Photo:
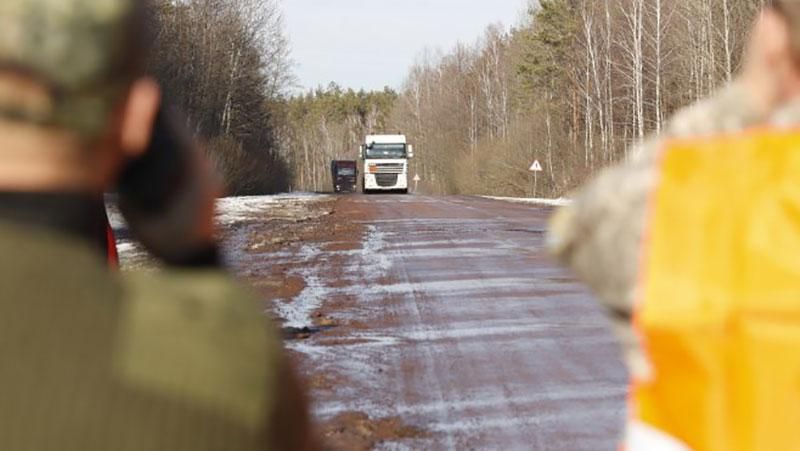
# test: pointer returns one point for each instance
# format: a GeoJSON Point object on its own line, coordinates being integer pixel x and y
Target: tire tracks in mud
{"type": "Point", "coordinates": [429, 323]}
{"type": "Point", "coordinates": [332, 275]}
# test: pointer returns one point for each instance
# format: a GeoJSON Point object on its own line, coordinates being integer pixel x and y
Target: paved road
{"type": "Point", "coordinates": [459, 325]}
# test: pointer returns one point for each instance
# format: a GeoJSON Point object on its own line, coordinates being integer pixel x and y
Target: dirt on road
{"type": "Point", "coordinates": [277, 253]}
{"type": "Point", "coordinates": [431, 323]}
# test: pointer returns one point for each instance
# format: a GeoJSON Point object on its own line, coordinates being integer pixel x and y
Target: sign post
{"type": "Point", "coordinates": [417, 179]}
{"type": "Point", "coordinates": [535, 168]}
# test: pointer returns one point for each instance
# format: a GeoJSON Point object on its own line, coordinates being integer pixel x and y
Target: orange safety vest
{"type": "Point", "coordinates": [719, 298]}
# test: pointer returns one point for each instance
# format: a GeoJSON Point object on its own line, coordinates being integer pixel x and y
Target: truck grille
{"type": "Point", "coordinates": [386, 180]}
{"type": "Point", "coordinates": [390, 168]}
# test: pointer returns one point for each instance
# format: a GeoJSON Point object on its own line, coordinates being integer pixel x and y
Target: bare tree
{"type": "Point", "coordinates": [575, 86]}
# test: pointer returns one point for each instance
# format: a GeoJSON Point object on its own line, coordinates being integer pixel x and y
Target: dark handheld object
{"type": "Point", "coordinates": [160, 196]}
{"type": "Point", "coordinates": [150, 183]}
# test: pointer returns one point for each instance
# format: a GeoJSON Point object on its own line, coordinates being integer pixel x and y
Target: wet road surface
{"type": "Point", "coordinates": [447, 314]}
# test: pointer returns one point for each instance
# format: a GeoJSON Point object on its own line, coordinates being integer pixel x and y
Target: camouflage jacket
{"type": "Point", "coordinates": [599, 236]}
{"type": "Point", "coordinates": [100, 361]}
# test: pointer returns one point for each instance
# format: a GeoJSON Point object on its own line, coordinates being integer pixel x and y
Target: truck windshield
{"type": "Point", "coordinates": [387, 151]}
{"type": "Point", "coordinates": [347, 171]}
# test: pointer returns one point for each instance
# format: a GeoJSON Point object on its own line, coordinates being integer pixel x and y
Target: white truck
{"type": "Point", "coordinates": [385, 160]}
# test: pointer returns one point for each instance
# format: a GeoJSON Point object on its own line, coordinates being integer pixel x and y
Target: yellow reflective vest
{"type": "Point", "coordinates": [719, 298]}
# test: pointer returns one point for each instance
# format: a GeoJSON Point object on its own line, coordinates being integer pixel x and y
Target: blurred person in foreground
{"type": "Point", "coordinates": [93, 359]}
{"type": "Point", "coordinates": [716, 299]}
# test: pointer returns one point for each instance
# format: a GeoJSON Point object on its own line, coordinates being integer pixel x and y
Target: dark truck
{"type": "Point", "coordinates": [345, 176]}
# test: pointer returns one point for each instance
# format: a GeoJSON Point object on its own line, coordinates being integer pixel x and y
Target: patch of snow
{"type": "Point", "coordinates": [462, 334]}
{"type": "Point", "coordinates": [297, 312]}
{"type": "Point", "coordinates": [560, 202]}
{"type": "Point", "coordinates": [486, 401]}
{"type": "Point", "coordinates": [231, 210]}
{"type": "Point", "coordinates": [376, 262]}
{"type": "Point", "coordinates": [455, 253]}
{"type": "Point", "coordinates": [124, 247]}
{"type": "Point", "coordinates": [549, 419]}
{"type": "Point", "coordinates": [478, 288]}
{"type": "Point", "coordinates": [389, 446]}
{"type": "Point", "coordinates": [372, 264]}
{"type": "Point", "coordinates": [115, 218]}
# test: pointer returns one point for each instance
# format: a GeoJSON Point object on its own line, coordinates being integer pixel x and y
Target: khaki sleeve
{"type": "Point", "coordinates": [200, 336]}
{"type": "Point", "coordinates": [599, 236]}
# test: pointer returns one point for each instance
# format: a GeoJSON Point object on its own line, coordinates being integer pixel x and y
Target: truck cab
{"type": "Point", "coordinates": [345, 176]}
{"type": "Point", "coordinates": [385, 160]}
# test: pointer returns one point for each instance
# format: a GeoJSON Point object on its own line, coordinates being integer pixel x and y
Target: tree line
{"type": "Point", "coordinates": [226, 65]}
{"type": "Point", "coordinates": [576, 86]}
{"type": "Point", "coordinates": [328, 124]}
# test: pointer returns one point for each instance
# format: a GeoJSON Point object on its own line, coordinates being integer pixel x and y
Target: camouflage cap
{"type": "Point", "coordinates": [80, 50]}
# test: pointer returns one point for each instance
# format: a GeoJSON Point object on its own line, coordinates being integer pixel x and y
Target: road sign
{"type": "Point", "coordinates": [535, 169]}
{"type": "Point", "coordinates": [417, 178]}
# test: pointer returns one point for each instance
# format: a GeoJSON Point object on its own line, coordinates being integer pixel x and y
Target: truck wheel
{"type": "Point", "coordinates": [404, 191]}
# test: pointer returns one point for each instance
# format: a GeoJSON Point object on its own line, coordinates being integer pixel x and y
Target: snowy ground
{"type": "Point", "coordinates": [561, 202]}
{"type": "Point", "coordinates": [428, 322]}
{"type": "Point", "coordinates": [231, 212]}
{"type": "Point", "coordinates": [448, 317]}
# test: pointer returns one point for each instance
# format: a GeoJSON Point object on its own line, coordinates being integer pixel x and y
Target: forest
{"type": "Point", "coordinates": [225, 65]}
{"type": "Point", "coordinates": [574, 84]}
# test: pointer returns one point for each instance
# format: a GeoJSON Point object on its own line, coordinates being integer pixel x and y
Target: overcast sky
{"type": "Point", "coordinates": [372, 43]}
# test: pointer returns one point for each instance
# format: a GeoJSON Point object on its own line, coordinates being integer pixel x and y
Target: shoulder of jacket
{"type": "Point", "coordinates": [729, 110]}
{"type": "Point", "coordinates": [200, 336]}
